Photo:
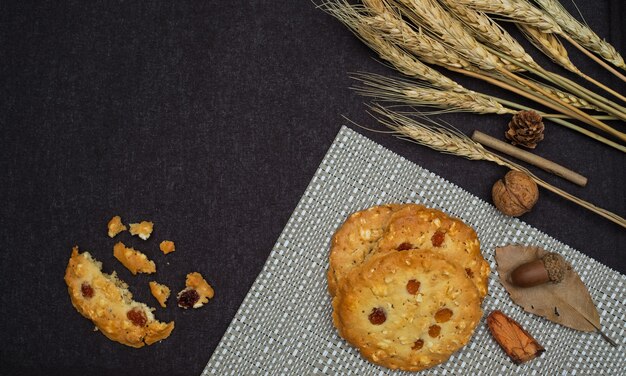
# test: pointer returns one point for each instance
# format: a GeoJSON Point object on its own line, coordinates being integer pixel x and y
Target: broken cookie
{"type": "Point", "coordinates": [167, 246]}
{"type": "Point", "coordinates": [106, 300]}
{"type": "Point", "coordinates": [160, 292]}
{"type": "Point", "coordinates": [196, 293]}
{"type": "Point", "coordinates": [133, 260]}
{"type": "Point", "coordinates": [115, 226]}
{"type": "Point", "coordinates": [142, 229]}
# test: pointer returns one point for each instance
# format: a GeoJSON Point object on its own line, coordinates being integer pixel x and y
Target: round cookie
{"type": "Point", "coordinates": [450, 237]}
{"type": "Point", "coordinates": [356, 238]}
{"type": "Point", "coordinates": [407, 310]}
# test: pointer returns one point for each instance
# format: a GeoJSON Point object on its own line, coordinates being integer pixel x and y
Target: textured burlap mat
{"type": "Point", "coordinates": [284, 324]}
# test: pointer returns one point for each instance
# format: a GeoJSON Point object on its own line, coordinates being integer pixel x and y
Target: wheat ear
{"type": "Point", "coordinates": [522, 11]}
{"type": "Point", "coordinates": [582, 33]}
{"type": "Point", "coordinates": [404, 62]}
{"type": "Point", "coordinates": [552, 47]}
{"type": "Point", "coordinates": [518, 10]}
{"type": "Point", "coordinates": [431, 16]}
{"type": "Point", "coordinates": [450, 141]}
{"type": "Point", "coordinates": [485, 30]}
{"type": "Point", "coordinates": [493, 35]}
{"type": "Point", "coordinates": [429, 50]}
{"type": "Point", "coordinates": [411, 93]}
{"type": "Point", "coordinates": [549, 44]}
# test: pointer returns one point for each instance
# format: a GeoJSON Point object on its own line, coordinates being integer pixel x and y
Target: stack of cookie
{"type": "Point", "coordinates": [407, 284]}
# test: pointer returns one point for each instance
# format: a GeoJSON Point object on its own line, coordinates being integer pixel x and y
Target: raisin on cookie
{"type": "Point", "coordinates": [196, 293]}
{"type": "Point", "coordinates": [106, 300]}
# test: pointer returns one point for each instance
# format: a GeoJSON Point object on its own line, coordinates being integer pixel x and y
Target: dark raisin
{"type": "Point", "coordinates": [434, 331]}
{"type": "Point", "coordinates": [377, 316]}
{"type": "Point", "coordinates": [443, 315]}
{"type": "Point", "coordinates": [137, 317]}
{"type": "Point", "coordinates": [418, 344]}
{"type": "Point", "coordinates": [412, 287]}
{"type": "Point", "coordinates": [437, 238]}
{"type": "Point", "coordinates": [188, 298]}
{"type": "Point", "coordinates": [87, 290]}
{"type": "Point", "coordinates": [404, 246]}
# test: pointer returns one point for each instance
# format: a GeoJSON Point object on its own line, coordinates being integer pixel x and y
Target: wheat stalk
{"type": "Point", "coordinates": [352, 17]}
{"type": "Point", "coordinates": [450, 141]}
{"type": "Point", "coordinates": [552, 47]}
{"type": "Point", "coordinates": [582, 33]}
{"type": "Point", "coordinates": [585, 98]}
{"type": "Point", "coordinates": [570, 98]}
{"type": "Point", "coordinates": [415, 94]}
{"type": "Point", "coordinates": [431, 16]}
{"type": "Point", "coordinates": [522, 11]}
{"type": "Point", "coordinates": [493, 35]}
{"type": "Point", "coordinates": [489, 32]}
{"type": "Point", "coordinates": [411, 93]}
{"type": "Point", "coordinates": [484, 29]}
{"type": "Point", "coordinates": [360, 23]}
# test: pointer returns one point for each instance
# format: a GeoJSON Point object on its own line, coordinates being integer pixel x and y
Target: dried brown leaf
{"type": "Point", "coordinates": [567, 303]}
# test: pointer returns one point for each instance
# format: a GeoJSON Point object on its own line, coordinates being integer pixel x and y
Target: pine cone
{"type": "Point", "coordinates": [525, 129]}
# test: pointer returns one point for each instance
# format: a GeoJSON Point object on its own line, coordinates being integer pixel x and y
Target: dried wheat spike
{"type": "Point", "coordinates": [489, 32]}
{"type": "Point", "coordinates": [582, 33]}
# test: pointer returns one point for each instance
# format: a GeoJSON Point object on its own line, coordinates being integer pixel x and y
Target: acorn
{"type": "Point", "coordinates": [550, 268]}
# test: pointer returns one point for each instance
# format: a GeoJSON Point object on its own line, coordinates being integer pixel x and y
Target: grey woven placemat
{"type": "Point", "coordinates": [284, 324]}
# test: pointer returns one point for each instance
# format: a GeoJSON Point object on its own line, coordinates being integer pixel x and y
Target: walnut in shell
{"type": "Point", "coordinates": [516, 194]}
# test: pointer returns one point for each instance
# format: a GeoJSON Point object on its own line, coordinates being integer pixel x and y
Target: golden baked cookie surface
{"type": "Point", "coordinates": [355, 240]}
{"type": "Point", "coordinates": [407, 310]}
{"type": "Point", "coordinates": [450, 237]}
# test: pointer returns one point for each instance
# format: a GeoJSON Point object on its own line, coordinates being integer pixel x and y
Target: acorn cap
{"type": "Point", "coordinates": [555, 265]}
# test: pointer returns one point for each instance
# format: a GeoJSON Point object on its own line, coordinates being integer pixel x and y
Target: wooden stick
{"type": "Point", "coordinates": [531, 158]}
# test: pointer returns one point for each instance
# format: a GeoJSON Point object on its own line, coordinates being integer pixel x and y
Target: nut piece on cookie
{"type": "Point", "coordinates": [115, 226]}
{"type": "Point", "coordinates": [133, 260]}
{"type": "Point", "coordinates": [142, 229]}
{"type": "Point", "coordinates": [160, 292]}
{"type": "Point", "coordinates": [167, 246]}
{"type": "Point", "coordinates": [105, 299]}
{"type": "Point", "coordinates": [196, 293]}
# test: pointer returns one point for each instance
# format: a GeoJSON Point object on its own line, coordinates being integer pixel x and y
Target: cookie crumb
{"type": "Point", "coordinates": [196, 293]}
{"type": "Point", "coordinates": [133, 260]}
{"type": "Point", "coordinates": [160, 292]}
{"type": "Point", "coordinates": [115, 226]}
{"type": "Point", "coordinates": [167, 246]}
{"type": "Point", "coordinates": [142, 229]}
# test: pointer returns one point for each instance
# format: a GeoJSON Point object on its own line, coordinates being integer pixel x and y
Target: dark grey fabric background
{"type": "Point", "coordinates": [208, 118]}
